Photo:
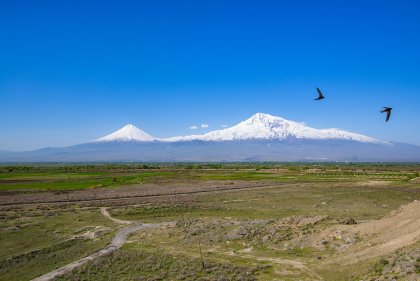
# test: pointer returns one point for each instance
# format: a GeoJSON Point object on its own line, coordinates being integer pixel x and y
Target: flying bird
{"type": "Point", "coordinates": [388, 112]}
{"type": "Point", "coordinates": [320, 95]}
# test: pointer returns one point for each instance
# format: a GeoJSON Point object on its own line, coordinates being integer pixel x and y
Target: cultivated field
{"type": "Point", "coordinates": [210, 222]}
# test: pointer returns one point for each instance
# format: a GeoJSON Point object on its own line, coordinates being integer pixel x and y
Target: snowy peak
{"type": "Point", "coordinates": [264, 126]}
{"type": "Point", "coordinates": [263, 118]}
{"type": "Point", "coordinates": [127, 133]}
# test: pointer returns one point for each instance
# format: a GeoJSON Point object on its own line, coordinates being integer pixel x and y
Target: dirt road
{"type": "Point", "coordinates": [122, 196]}
{"type": "Point", "coordinates": [116, 243]}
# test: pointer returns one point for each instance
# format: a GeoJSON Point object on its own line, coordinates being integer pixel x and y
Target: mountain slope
{"type": "Point", "coordinates": [222, 151]}
{"type": "Point", "coordinates": [127, 133]}
{"type": "Point", "coordinates": [264, 126]}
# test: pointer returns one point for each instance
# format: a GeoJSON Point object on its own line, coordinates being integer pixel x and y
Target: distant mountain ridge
{"type": "Point", "coordinates": [260, 138]}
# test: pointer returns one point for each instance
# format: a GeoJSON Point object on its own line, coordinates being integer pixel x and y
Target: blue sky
{"type": "Point", "coordinates": [72, 71]}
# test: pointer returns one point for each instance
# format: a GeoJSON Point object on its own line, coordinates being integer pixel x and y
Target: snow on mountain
{"type": "Point", "coordinates": [127, 133]}
{"type": "Point", "coordinates": [258, 127]}
{"type": "Point", "coordinates": [265, 126]}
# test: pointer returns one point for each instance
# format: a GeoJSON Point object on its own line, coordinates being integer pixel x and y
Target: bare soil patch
{"type": "Point", "coordinates": [401, 228]}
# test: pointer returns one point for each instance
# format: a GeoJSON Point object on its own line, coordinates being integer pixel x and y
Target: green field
{"type": "Point", "coordinates": [71, 177]}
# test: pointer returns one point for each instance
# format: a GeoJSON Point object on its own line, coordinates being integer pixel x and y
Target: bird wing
{"type": "Point", "coordinates": [319, 92]}
{"type": "Point", "coordinates": [388, 114]}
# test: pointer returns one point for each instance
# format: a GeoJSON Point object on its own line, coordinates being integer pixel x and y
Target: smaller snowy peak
{"type": "Point", "coordinates": [127, 133]}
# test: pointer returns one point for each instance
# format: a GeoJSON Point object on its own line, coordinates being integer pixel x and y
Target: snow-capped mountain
{"type": "Point", "coordinates": [127, 133]}
{"type": "Point", "coordinates": [260, 138]}
{"type": "Point", "coordinates": [267, 127]}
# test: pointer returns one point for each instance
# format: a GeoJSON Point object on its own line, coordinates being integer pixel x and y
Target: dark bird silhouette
{"type": "Point", "coordinates": [320, 95]}
{"type": "Point", "coordinates": [388, 112]}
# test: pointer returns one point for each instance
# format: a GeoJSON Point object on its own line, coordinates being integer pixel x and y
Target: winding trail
{"type": "Point", "coordinates": [104, 211]}
{"type": "Point", "coordinates": [119, 239]}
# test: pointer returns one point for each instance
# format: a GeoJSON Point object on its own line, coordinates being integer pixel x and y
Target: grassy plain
{"type": "Point", "coordinates": [253, 221]}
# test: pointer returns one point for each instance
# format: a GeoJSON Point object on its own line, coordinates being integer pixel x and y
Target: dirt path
{"type": "Point", "coordinates": [280, 261]}
{"type": "Point", "coordinates": [104, 211]}
{"type": "Point", "coordinates": [415, 180]}
{"type": "Point", "coordinates": [116, 243]}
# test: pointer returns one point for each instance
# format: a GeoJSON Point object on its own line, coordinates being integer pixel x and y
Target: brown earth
{"type": "Point", "coordinates": [128, 195]}
{"type": "Point", "coordinates": [401, 228]}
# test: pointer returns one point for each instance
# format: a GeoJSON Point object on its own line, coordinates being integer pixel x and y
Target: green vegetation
{"type": "Point", "coordinates": [134, 264]}
{"type": "Point", "coordinates": [379, 267]}
{"type": "Point", "coordinates": [36, 240]}
{"type": "Point", "coordinates": [70, 181]}
{"type": "Point", "coordinates": [32, 264]}
{"type": "Point", "coordinates": [70, 177]}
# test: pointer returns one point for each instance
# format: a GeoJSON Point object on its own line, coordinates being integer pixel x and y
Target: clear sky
{"type": "Point", "coordinates": [73, 71]}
